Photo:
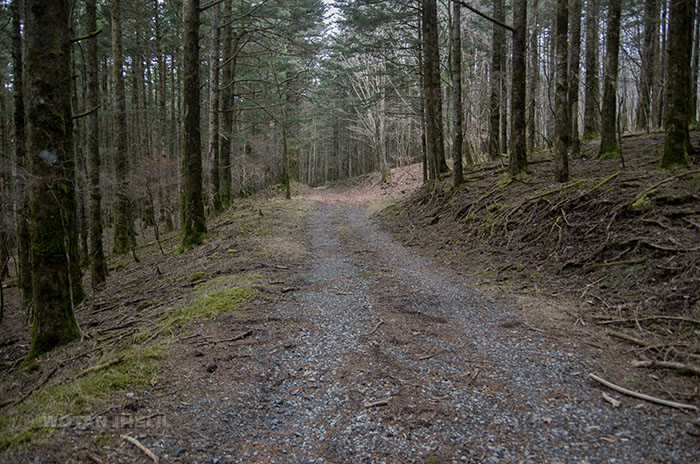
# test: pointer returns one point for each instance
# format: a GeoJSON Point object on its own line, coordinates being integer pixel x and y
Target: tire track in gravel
{"type": "Point", "coordinates": [403, 363]}
{"type": "Point", "coordinates": [392, 360]}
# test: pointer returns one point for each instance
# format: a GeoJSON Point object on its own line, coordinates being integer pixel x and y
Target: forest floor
{"type": "Point", "coordinates": [303, 331]}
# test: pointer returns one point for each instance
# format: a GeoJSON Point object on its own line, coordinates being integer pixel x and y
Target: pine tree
{"type": "Point", "coordinates": [608, 119]}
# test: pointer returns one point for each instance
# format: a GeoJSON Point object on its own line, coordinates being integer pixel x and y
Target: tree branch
{"type": "Point", "coordinates": [484, 15]}
{"type": "Point", "coordinates": [87, 36]}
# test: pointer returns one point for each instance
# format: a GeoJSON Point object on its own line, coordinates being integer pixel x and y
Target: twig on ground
{"type": "Point", "coordinates": [683, 367]}
{"type": "Point", "coordinates": [428, 356]}
{"type": "Point", "coordinates": [140, 446]}
{"type": "Point", "coordinates": [642, 396]}
{"type": "Point", "coordinates": [629, 338]}
{"type": "Point", "coordinates": [33, 389]}
{"type": "Point", "coordinates": [376, 404]}
{"type": "Point", "coordinates": [100, 366]}
{"type": "Point", "coordinates": [94, 458]}
{"type": "Point", "coordinates": [651, 318]}
{"type": "Point", "coordinates": [615, 403]}
{"type": "Point", "coordinates": [376, 327]}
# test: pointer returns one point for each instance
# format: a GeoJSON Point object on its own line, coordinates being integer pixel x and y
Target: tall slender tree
{"type": "Point", "coordinates": [98, 265]}
{"type": "Point", "coordinates": [562, 127]}
{"type": "Point", "coordinates": [432, 90]}
{"type": "Point", "coordinates": [497, 54]}
{"type": "Point", "coordinates": [574, 68]}
{"type": "Point", "coordinates": [534, 79]}
{"type": "Point", "coordinates": [650, 46]}
{"type": "Point", "coordinates": [591, 116]}
{"type": "Point", "coordinates": [124, 234]}
{"type": "Point", "coordinates": [52, 193]}
{"type": "Point", "coordinates": [226, 97]}
{"type": "Point", "coordinates": [214, 170]}
{"type": "Point", "coordinates": [608, 119]}
{"type": "Point", "coordinates": [518, 152]}
{"type": "Point", "coordinates": [22, 202]}
{"type": "Point", "coordinates": [192, 213]}
{"type": "Point", "coordinates": [456, 68]}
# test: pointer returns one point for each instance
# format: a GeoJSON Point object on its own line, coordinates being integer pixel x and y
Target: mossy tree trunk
{"type": "Point", "coordinates": [591, 104]}
{"type": "Point", "coordinates": [608, 119]}
{"type": "Point", "coordinates": [677, 114]}
{"type": "Point", "coordinates": [22, 197]}
{"type": "Point", "coordinates": [124, 233]}
{"type": "Point", "coordinates": [193, 222]}
{"type": "Point", "coordinates": [562, 126]}
{"type": "Point", "coordinates": [497, 45]}
{"type": "Point", "coordinates": [456, 68]}
{"type": "Point", "coordinates": [214, 171]}
{"type": "Point", "coordinates": [518, 152]}
{"type": "Point", "coordinates": [574, 68]}
{"type": "Point", "coordinates": [52, 193]}
{"type": "Point", "coordinates": [98, 265]}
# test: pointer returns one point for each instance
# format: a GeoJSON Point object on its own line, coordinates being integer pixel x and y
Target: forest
{"type": "Point", "coordinates": [278, 206]}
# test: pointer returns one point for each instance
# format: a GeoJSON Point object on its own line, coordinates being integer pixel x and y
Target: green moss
{"type": "Point", "coordinates": [196, 276]}
{"type": "Point", "coordinates": [54, 121]}
{"type": "Point", "coordinates": [615, 154]}
{"type": "Point", "coordinates": [24, 436]}
{"type": "Point", "coordinates": [144, 304]}
{"type": "Point", "coordinates": [218, 302]}
{"type": "Point", "coordinates": [642, 203]}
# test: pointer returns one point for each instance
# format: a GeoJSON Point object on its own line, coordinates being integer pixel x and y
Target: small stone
{"type": "Point", "coordinates": [212, 367]}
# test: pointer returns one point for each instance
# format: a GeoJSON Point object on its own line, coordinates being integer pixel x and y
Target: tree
{"type": "Point", "coordinates": [562, 127]}
{"type": "Point", "coordinates": [456, 67]}
{"type": "Point", "coordinates": [650, 46]}
{"type": "Point", "coordinates": [98, 265]}
{"type": "Point", "coordinates": [23, 244]}
{"type": "Point", "coordinates": [226, 96]}
{"type": "Point", "coordinates": [124, 234]}
{"type": "Point", "coordinates": [214, 171]}
{"type": "Point", "coordinates": [192, 208]}
{"type": "Point", "coordinates": [432, 90]}
{"type": "Point", "coordinates": [574, 66]}
{"type": "Point", "coordinates": [52, 193]}
{"type": "Point", "coordinates": [518, 155]}
{"type": "Point", "coordinates": [608, 119]}
{"type": "Point", "coordinates": [677, 145]}
{"type": "Point", "coordinates": [591, 116]}
{"type": "Point", "coordinates": [497, 59]}
{"type": "Point", "coordinates": [534, 80]}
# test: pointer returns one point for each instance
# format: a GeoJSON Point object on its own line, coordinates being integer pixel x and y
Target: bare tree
{"type": "Point", "coordinates": [591, 116]}
{"type": "Point", "coordinates": [518, 153]}
{"type": "Point", "coordinates": [562, 127]}
{"type": "Point", "coordinates": [608, 120]}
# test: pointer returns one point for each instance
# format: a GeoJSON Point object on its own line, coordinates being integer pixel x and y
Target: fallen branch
{"type": "Point", "coordinates": [99, 367]}
{"type": "Point", "coordinates": [140, 446]}
{"type": "Point", "coordinates": [683, 367]}
{"type": "Point", "coordinates": [428, 356]}
{"type": "Point", "coordinates": [94, 458]}
{"type": "Point", "coordinates": [376, 327]}
{"type": "Point", "coordinates": [376, 404]}
{"type": "Point", "coordinates": [651, 318]}
{"type": "Point", "coordinates": [629, 338]}
{"type": "Point", "coordinates": [615, 403]}
{"type": "Point", "coordinates": [642, 396]}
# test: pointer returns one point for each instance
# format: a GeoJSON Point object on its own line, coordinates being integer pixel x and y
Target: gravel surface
{"type": "Point", "coordinates": [381, 356]}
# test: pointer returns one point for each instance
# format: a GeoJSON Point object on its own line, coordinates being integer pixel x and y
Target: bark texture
{"type": "Point", "coordinates": [432, 91]}
{"type": "Point", "coordinates": [591, 114]}
{"type": "Point", "coordinates": [574, 67]}
{"type": "Point", "coordinates": [226, 96]}
{"type": "Point", "coordinates": [98, 265]}
{"type": "Point", "coordinates": [214, 171]}
{"type": "Point", "coordinates": [193, 223]}
{"type": "Point", "coordinates": [52, 193]}
{"type": "Point", "coordinates": [456, 68]}
{"type": "Point", "coordinates": [608, 120]}
{"type": "Point", "coordinates": [650, 40]}
{"type": "Point", "coordinates": [498, 45]}
{"type": "Point", "coordinates": [562, 127]}
{"type": "Point", "coordinates": [518, 152]}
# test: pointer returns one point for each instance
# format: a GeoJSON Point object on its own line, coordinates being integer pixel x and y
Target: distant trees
{"type": "Point", "coordinates": [608, 125]}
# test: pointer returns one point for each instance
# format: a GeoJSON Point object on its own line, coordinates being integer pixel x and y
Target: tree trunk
{"type": "Point", "coordinates": [563, 128]}
{"type": "Point", "coordinates": [226, 129]}
{"type": "Point", "coordinates": [608, 121]}
{"type": "Point", "coordinates": [98, 265]}
{"type": "Point", "coordinates": [498, 44]}
{"type": "Point", "coordinates": [193, 223]}
{"type": "Point", "coordinates": [432, 90]}
{"type": "Point", "coordinates": [123, 221]}
{"type": "Point", "coordinates": [574, 68]}
{"type": "Point", "coordinates": [22, 198]}
{"type": "Point", "coordinates": [661, 62]}
{"type": "Point", "coordinates": [591, 105]}
{"type": "Point", "coordinates": [694, 70]}
{"type": "Point", "coordinates": [215, 200]}
{"type": "Point", "coordinates": [518, 152]}
{"type": "Point", "coordinates": [456, 65]}
{"type": "Point", "coordinates": [677, 115]}
{"type": "Point", "coordinates": [52, 195]}
{"type": "Point", "coordinates": [650, 40]}
{"type": "Point", "coordinates": [534, 81]}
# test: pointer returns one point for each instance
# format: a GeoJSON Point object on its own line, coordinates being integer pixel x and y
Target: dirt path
{"type": "Point", "coordinates": [376, 356]}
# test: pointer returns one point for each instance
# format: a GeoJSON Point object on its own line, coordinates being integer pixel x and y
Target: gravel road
{"type": "Point", "coordinates": [389, 359]}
